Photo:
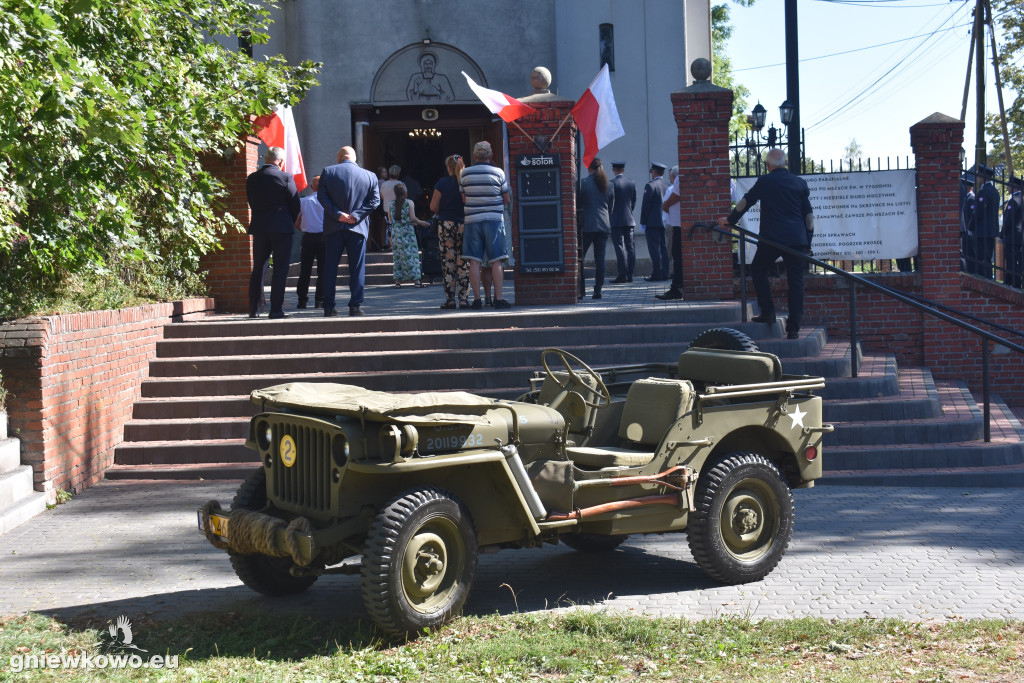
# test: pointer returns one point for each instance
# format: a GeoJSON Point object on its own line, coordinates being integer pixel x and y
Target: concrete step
{"type": "Point", "coordinates": [185, 350]}
{"type": "Point", "coordinates": [22, 510]}
{"type": "Point", "coordinates": [876, 376]}
{"type": "Point", "coordinates": [940, 451]}
{"type": "Point", "coordinates": [184, 452]}
{"type": "Point", "coordinates": [187, 429]}
{"type": "Point", "coordinates": [15, 485]}
{"type": "Point", "coordinates": [917, 399]}
{"type": "Point", "coordinates": [952, 477]}
{"type": "Point", "coordinates": [193, 407]}
{"type": "Point", "coordinates": [236, 471]}
{"type": "Point", "coordinates": [958, 420]}
{"type": "Point", "coordinates": [10, 455]}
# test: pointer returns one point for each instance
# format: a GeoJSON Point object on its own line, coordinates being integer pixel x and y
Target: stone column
{"type": "Point", "coordinates": [702, 112]}
{"type": "Point", "coordinates": [936, 142]}
{"type": "Point", "coordinates": [547, 288]}
{"type": "Point", "coordinates": [227, 269]}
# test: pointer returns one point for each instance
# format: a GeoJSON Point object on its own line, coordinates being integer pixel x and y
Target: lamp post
{"type": "Point", "coordinates": [756, 141]}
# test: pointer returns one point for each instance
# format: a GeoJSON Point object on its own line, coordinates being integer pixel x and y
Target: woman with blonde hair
{"type": "Point", "coordinates": [404, 248]}
{"type": "Point", "coordinates": [446, 203]}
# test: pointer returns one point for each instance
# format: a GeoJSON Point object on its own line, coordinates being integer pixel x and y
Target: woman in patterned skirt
{"type": "Point", "coordinates": [404, 248]}
{"type": "Point", "coordinates": [446, 203]}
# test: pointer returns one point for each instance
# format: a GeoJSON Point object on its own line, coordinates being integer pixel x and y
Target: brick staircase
{"type": "Point", "coordinates": [893, 425]}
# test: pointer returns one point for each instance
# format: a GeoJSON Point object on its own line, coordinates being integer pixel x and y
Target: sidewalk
{"type": "Point", "coordinates": [920, 554]}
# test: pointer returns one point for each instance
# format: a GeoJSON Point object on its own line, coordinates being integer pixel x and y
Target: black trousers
{"type": "Point", "coordinates": [312, 250]}
{"type": "Point", "coordinates": [278, 244]}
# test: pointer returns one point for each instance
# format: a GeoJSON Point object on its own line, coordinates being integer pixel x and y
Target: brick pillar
{"type": "Point", "coordinates": [702, 112]}
{"type": "Point", "coordinates": [936, 143]}
{"type": "Point", "coordinates": [547, 288]}
{"type": "Point", "coordinates": [227, 269]}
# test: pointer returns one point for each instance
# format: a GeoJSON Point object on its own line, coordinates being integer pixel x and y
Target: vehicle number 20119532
{"type": "Point", "coordinates": [453, 441]}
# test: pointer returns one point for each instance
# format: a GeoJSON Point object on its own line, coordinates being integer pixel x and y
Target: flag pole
{"type": "Point", "coordinates": [560, 126]}
{"type": "Point", "coordinates": [528, 136]}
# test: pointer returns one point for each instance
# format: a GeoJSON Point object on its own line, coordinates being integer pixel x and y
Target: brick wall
{"type": "Point", "coordinates": [702, 113]}
{"type": "Point", "coordinates": [227, 269]}
{"type": "Point", "coordinates": [73, 380]}
{"type": "Point", "coordinates": [544, 289]}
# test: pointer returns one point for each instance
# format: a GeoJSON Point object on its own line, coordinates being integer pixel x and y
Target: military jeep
{"type": "Point", "coordinates": [418, 484]}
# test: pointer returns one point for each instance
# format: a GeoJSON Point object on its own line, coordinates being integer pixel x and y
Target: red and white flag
{"type": "Point", "coordinates": [597, 117]}
{"type": "Point", "coordinates": [508, 108]}
{"type": "Point", "coordinates": [278, 130]}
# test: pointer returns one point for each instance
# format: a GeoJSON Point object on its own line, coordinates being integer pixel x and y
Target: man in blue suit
{"type": "Point", "coordinates": [274, 205]}
{"type": "Point", "coordinates": [348, 194]}
{"type": "Point", "coordinates": [986, 227]}
{"type": "Point", "coordinates": [623, 222]}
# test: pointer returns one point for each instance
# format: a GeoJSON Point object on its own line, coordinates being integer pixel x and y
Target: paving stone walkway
{"type": "Point", "coordinates": [915, 553]}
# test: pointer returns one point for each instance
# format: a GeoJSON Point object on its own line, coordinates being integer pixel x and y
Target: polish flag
{"type": "Point", "coordinates": [278, 130]}
{"type": "Point", "coordinates": [597, 117]}
{"type": "Point", "coordinates": [508, 108]}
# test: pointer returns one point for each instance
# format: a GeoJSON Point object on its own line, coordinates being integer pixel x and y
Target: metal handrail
{"type": "Point", "coordinates": [928, 307]}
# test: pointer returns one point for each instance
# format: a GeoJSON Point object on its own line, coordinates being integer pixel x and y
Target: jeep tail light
{"type": "Point", "coordinates": [811, 453]}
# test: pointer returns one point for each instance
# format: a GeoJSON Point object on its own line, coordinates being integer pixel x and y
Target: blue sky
{"type": "Point", "coordinates": [869, 69]}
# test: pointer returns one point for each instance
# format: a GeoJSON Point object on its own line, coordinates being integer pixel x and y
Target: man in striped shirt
{"type": "Point", "coordinates": [485, 192]}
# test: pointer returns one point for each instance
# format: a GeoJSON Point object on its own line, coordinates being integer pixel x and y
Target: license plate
{"type": "Point", "coordinates": [218, 525]}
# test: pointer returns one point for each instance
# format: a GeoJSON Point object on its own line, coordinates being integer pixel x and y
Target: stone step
{"type": "Point", "coordinates": [489, 337]}
{"type": "Point", "coordinates": [15, 485]}
{"type": "Point", "coordinates": [236, 471]}
{"type": "Point", "coordinates": [184, 452]}
{"type": "Point", "coordinates": [953, 477]}
{"type": "Point", "coordinates": [940, 451]}
{"type": "Point", "coordinates": [10, 455]}
{"type": "Point", "coordinates": [186, 429]}
{"type": "Point", "coordinates": [22, 510]}
{"type": "Point", "coordinates": [876, 376]}
{"type": "Point", "coordinates": [713, 314]}
{"type": "Point", "coordinates": [192, 407]}
{"type": "Point", "coordinates": [958, 420]}
{"type": "Point", "coordinates": [917, 398]}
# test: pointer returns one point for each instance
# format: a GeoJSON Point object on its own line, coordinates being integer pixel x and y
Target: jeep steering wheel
{"type": "Point", "coordinates": [602, 392]}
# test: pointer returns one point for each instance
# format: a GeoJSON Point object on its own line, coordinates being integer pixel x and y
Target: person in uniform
{"type": "Point", "coordinates": [653, 224]}
{"type": "Point", "coordinates": [986, 223]}
{"type": "Point", "coordinates": [1013, 239]}
{"type": "Point", "coordinates": [623, 223]}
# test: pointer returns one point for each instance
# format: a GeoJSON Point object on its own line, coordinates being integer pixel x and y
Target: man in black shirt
{"type": "Point", "coordinates": [786, 218]}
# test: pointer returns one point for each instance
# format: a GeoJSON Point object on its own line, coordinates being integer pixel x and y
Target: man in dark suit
{"type": "Point", "coordinates": [786, 218]}
{"type": "Point", "coordinates": [623, 223]}
{"type": "Point", "coordinates": [274, 205]}
{"type": "Point", "coordinates": [654, 225]}
{"type": "Point", "coordinates": [986, 227]}
{"type": "Point", "coordinates": [348, 194]}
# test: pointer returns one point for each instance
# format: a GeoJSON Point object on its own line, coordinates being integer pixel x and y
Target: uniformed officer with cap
{"type": "Point", "coordinates": [653, 224]}
{"type": "Point", "coordinates": [622, 222]}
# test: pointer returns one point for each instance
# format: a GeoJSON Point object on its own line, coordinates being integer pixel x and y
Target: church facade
{"type": "Point", "coordinates": [392, 83]}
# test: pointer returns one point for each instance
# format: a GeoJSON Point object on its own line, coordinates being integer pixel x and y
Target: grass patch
{"type": "Point", "coordinates": [579, 645]}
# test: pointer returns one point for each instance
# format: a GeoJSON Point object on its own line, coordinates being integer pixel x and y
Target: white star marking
{"type": "Point", "coordinates": [798, 417]}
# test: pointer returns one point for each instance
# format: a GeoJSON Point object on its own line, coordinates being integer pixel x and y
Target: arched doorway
{"type": "Point", "coordinates": [421, 111]}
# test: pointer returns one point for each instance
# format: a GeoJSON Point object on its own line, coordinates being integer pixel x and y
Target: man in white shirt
{"type": "Point", "coordinates": [670, 205]}
{"type": "Point", "coordinates": [311, 223]}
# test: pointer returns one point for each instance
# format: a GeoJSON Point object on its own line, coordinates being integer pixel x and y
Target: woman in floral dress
{"type": "Point", "coordinates": [404, 248]}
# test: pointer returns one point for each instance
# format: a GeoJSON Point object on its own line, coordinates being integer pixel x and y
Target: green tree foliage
{"type": "Point", "coordinates": [1009, 17]}
{"type": "Point", "coordinates": [853, 152]}
{"type": "Point", "coordinates": [721, 65]}
{"type": "Point", "coordinates": [106, 109]}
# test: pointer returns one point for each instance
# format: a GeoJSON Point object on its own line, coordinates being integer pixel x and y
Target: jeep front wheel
{"type": "Point", "coordinates": [419, 561]}
{"type": "Point", "coordinates": [743, 520]}
{"type": "Point", "coordinates": [263, 574]}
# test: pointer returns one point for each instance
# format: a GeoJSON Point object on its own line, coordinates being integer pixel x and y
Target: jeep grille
{"type": "Point", "coordinates": [307, 483]}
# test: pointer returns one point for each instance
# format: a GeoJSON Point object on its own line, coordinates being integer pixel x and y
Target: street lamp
{"type": "Point", "coordinates": [756, 141]}
{"type": "Point", "coordinates": [757, 117]}
{"type": "Point", "coordinates": [786, 111]}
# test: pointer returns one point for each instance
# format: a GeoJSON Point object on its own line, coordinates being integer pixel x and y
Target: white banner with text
{"type": "Point", "coordinates": [857, 216]}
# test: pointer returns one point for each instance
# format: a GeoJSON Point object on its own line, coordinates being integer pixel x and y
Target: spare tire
{"type": "Point", "coordinates": [724, 338]}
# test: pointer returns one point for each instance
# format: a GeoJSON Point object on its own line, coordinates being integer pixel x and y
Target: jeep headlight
{"type": "Point", "coordinates": [340, 450]}
{"type": "Point", "coordinates": [264, 435]}
{"type": "Point", "coordinates": [397, 440]}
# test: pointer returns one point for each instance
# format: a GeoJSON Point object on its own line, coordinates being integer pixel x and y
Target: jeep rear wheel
{"type": "Point", "coordinates": [743, 521]}
{"type": "Point", "coordinates": [263, 574]}
{"type": "Point", "coordinates": [724, 338]}
{"type": "Point", "coordinates": [592, 543]}
{"type": "Point", "coordinates": [419, 561]}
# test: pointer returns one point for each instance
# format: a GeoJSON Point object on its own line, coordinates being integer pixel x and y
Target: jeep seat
{"type": "Point", "coordinates": [718, 366]}
{"type": "Point", "coordinates": [578, 420]}
{"type": "Point", "coordinates": [652, 406]}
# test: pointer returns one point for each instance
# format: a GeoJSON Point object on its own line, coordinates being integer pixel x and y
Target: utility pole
{"type": "Point", "coordinates": [980, 155]}
{"type": "Point", "coordinates": [793, 135]}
